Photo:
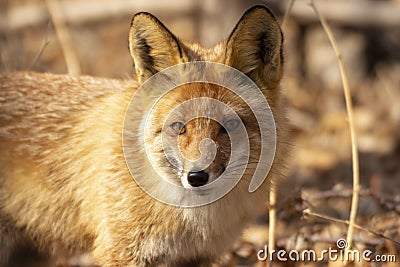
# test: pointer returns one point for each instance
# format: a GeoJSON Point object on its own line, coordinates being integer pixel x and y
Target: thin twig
{"type": "Point", "coordinates": [342, 193]}
{"type": "Point", "coordinates": [45, 44]}
{"type": "Point", "coordinates": [389, 201]}
{"type": "Point", "coordinates": [272, 222]}
{"type": "Point", "coordinates": [70, 56]}
{"type": "Point", "coordinates": [349, 107]}
{"type": "Point", "coordinates": [273, 193]}
{"type": "Point", "coordinates": [329, 218]}
{"type": "Point", "coordinates": [287, 13]}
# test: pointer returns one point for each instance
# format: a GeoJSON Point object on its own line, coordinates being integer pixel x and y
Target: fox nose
{"type": "Point", "coordinates": [197, 178]}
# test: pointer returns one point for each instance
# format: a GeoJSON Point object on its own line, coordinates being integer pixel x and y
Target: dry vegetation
{"type": "Point", "coordinates": [314, 203]}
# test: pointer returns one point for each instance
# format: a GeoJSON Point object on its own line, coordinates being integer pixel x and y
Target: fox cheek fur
{"type": "Point", "coordinates": [64, 184]}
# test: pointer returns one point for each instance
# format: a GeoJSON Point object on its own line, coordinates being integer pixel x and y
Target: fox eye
{"type": "Point", "coordinates": [178, 128]}
{"type": "Point", "coordinates": [231, 125]}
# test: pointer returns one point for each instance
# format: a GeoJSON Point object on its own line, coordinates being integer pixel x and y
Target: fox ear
{"type": "Point", "coordinates": [152, 46]}
{"type": "Point", "coordinates": [255, 47]}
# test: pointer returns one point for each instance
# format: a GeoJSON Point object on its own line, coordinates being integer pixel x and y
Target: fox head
{"type": "Point", "coordinates": [204, 143]}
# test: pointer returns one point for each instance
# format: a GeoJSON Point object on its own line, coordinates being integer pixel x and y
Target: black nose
{"type": "Point", "coordinates": [197, 178]}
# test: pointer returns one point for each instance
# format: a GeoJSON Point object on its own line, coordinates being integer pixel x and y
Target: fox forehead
{"type": "Point", "coordinates": [196, 99]}
{"type": "Point", "coordinates": [196, 52]}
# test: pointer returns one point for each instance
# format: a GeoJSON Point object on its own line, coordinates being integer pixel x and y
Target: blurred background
{"type": "Point", "coordinates": [368, 35]}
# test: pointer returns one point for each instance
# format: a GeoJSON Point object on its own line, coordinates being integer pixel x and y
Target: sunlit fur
{"type": "Point", "coordinates": [64, 183]}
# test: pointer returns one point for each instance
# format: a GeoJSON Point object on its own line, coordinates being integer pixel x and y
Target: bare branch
{"type": "Point", "coordinates": [70, 56]}
{"type": "Point", "coordinates": [329, 218]}
{"type": "Point", "coordinates": [353, 134]}
{"type": "Point", "coordinates": [287, 13]}
{"type": "Point", "coordinates": [272, 222]}
{"type": "Point", "coordinates": [76, 11]}
{"type": "Point", "coordinates": [367, 13]}
{"type": "Point", "coordinates": [45, 44]}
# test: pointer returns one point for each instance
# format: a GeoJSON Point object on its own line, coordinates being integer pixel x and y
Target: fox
{"type": "Point", "coordinates": [66, 188]}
